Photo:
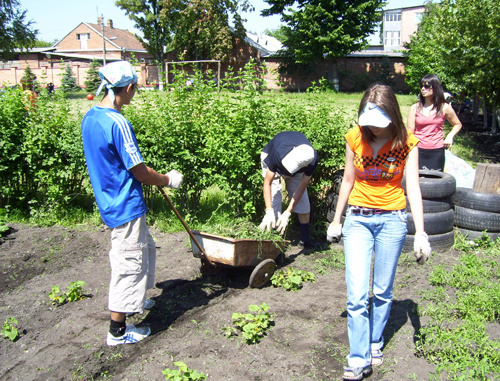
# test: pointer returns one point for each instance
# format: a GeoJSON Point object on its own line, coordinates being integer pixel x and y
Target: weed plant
{"type": "Point", "coordinates": [9, 329]}
{"type": "Point", "coordinates": [253, 325]}
{"type": "Point", "coordinates": [183, 373]}
{"type": "Point", "coordinates": [75, 292]}
{"type": "Point", "coordinates": [292, 279]}
{"type": "Point", "coordinates": [465, 300]}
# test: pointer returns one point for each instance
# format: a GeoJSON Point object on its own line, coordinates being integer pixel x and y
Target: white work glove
{"type": "Point", "coordinates": [283, 222]}
{"type": "Point", "coordinates": [269, 221]}
{"type": "Point", "coordinates": [334, 233]}
{"type": "Point", "coordinates": [422, 247]}
{"type": "Point", "coordinates": [175, 179]}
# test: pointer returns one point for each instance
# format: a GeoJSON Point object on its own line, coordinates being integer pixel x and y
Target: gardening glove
{"type": "Point", "coordinates": [283, 222]}
{"type": "Point", "coordinates": [422, 247]}
{"type": "Point", "coordinates": [269, 221]}
{"type": "Point", "coordinates": [174, 179]}
{"type": "Point", "coordinates": [334, 233]}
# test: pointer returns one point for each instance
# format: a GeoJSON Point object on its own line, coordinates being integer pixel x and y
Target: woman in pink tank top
{"type": "Point", "coordinates": [426, 120]}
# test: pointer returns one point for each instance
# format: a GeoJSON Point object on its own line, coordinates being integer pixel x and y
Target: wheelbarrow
{"type": "Point", "coordinates": [250, 253]}
{"type": "Point", "coordinates": [216, 252]}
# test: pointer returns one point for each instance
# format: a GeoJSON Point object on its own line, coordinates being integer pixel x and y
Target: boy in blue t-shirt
{"type": "Point", "coordinates": [117, 171]}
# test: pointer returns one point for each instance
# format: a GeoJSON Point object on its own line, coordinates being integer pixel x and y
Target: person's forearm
{"type": "Point", "coordinates": [149, 176]}
{"type": "Point", "coordinates": [345, 191]}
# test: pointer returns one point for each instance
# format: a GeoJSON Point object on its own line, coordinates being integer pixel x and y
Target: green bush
{"type": "Point", "coordinates": [213, 135]}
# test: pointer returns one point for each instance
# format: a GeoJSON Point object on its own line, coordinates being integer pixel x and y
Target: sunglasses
{"type": "Point", "coordinates": [426, 86]}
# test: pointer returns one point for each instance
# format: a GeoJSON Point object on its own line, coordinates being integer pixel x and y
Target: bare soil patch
{"type": "Point", "coordinates": [308, 342]}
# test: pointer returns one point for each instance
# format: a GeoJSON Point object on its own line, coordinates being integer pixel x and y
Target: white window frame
{"type": "Point", "coordinates": [392, 16]}
{"type": "Point", "coordinates": [392, 38]}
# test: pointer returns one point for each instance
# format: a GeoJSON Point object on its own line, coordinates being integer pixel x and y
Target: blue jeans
{"type": "Point", "coordinates": [382, 235]}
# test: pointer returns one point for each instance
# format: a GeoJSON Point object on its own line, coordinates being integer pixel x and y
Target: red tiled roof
{"type": "Point", "coordinates": [124, 38]}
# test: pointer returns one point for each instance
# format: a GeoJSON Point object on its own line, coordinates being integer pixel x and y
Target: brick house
{"type": "Point", "coordinates": [82, 45]}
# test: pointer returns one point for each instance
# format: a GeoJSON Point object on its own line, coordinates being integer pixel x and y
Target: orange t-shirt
{"type": "Point", "coordinates": [378, 180]}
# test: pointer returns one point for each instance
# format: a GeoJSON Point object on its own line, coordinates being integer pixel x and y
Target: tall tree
{"type": "Point", "coordinates": [146, 15]}
{"type": "Point", "coordinates": [459, 40]}
{"type": "Point", "coordinates": [15, 31]}
{"type": "Point", "coordinates": [317, 29]}
{"type": "Point", "coordinates": [203, 27]}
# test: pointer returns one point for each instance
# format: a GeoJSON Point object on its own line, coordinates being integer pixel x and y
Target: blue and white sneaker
{"type": "Point", "coordinates": [148, 304]}
{"type": "Point", "coordinates": [132, 335]}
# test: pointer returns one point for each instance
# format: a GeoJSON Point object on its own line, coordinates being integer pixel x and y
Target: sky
{"type": "Point", "coordinates": [56, 18]}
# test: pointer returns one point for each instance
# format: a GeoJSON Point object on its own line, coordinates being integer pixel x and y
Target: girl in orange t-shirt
{"type": "Point", "coordinates": [377, 153]}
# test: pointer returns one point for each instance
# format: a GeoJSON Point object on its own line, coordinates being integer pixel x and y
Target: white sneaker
{"type": "Point", "coordinates": [132, 335]}
{"type": "Point", "coordinates": [148, 304]}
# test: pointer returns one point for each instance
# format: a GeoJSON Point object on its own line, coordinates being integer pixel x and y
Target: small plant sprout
{"type": "Point", "coordinates": [183, 373]}
{"type": "Point", "coordinates": [74, 293]}
{"type": "Point", "coordinates": [9, 330]}
{"type": "Point", "coordinates": [291, 279]}
{"type": "Point", "coordinates": [253, 326]}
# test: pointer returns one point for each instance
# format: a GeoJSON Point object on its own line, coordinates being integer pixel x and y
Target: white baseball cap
{"type": "Point", "coordinates": [374, 116]}
{"type": "Point", "coordinates": [299, 157]}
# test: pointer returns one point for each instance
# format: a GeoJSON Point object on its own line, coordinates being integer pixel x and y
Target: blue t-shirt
{"type": "Point", "coordinates": [280, 146]}
{"type": "Point", "coordinates": [111, 151]}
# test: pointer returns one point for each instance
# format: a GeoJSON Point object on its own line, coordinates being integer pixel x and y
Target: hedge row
{"type": "Point", "coordinates": [213, 137]}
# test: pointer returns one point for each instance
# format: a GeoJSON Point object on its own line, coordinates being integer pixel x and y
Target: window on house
{"type": "Point", "coordinates": [418, 17]}
{"type": "Point", "coordinates": [392, 38]}
{"type": "Point", "coordinates": [393, 16]}
{"type": "Point", "coordinates": [83, 37]}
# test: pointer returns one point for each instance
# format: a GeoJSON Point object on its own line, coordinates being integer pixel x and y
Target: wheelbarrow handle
{"type": "Point", "coordinates": [202, 251]}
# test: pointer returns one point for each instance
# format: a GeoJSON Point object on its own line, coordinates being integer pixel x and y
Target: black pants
{"type": "Point", "coordinates": [431, 158]}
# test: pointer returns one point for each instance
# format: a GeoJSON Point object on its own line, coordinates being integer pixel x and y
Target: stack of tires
{"type": "Point", "coordinates": [437, 189]}
{"type": "Point", "coordinates": [476, 212]}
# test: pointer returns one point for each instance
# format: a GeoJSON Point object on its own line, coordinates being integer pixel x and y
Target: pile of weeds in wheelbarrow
{"type": "Point", "coordinates": [241, 228]}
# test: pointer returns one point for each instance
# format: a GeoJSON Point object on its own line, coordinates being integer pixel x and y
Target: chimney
{"type": "Point", "coordinates": [110, 23]}
{"type": "Point", "coordinates": [99, 21]}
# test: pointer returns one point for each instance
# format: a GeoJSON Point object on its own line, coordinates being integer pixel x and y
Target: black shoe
{"type": "Point", "coordinates": [309, 244]}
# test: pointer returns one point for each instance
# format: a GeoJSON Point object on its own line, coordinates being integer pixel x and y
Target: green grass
{"type": "Point", "coordinates": [466, 298]}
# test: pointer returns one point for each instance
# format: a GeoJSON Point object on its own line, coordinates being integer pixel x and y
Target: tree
{"type": "Point", "coordinates": [317, 29]}
{"type": "Point", "coordinates": [15, 31]}
{"type": "Point", "coordinates": [28, 79]}
{"type": "Point", "coordinates": [92, 80]}
{"type": "Point", "coordinates": [204, 30]}
{"type": "Point", "coordinates": [459, 40]}
{"type": "Point", "coordinates": [146, 15]}
{"type": "Point", "coordinates": [277, 33]}
{"type": "Point", "coordinates": [68, 81]}
{"type": "Point", "coordinates": [196, 29]}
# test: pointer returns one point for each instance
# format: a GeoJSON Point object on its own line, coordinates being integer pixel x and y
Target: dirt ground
{"type": "Point", "coordinates": [308, 341]}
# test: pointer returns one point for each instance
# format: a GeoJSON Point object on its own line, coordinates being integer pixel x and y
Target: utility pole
{"type": "Point", "coordinates": [103, 42]}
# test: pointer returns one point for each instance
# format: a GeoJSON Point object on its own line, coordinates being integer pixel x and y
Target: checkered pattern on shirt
{"type": "Point", "coordinates": [399, 155]}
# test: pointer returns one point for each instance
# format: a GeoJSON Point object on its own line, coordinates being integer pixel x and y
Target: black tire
{"type": "Point", "coordinates": [434, 184]}
{"type": "Point", "coordinates": [262, 273]}
{"type": "Point", "coordinates": [439, 242]}
{"type": "Point", "coordinates": [434, 223]}
{"type": "Point", "coordinates": [433, 205]}
{"type": "Point", "coordinates": [477, 219]}
{"type": "Point", "coordinates": [473, 234]}
{"type": "Point", "coordinates": [467, 198]}
{"type": "Point", "coordinates": [337, 180]}
{"type": "Point", "coordinates": [331, 204]}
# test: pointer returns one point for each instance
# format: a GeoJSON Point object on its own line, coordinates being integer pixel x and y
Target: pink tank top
{"type": "Point", "coordinates": [429, 130]}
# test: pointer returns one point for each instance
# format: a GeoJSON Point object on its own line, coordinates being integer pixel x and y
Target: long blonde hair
{"type": "Point", "coordinates": [384, 97]}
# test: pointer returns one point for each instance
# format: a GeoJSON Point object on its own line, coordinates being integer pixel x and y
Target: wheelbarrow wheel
{"type": "Point", "coordinates": [262, 273]}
